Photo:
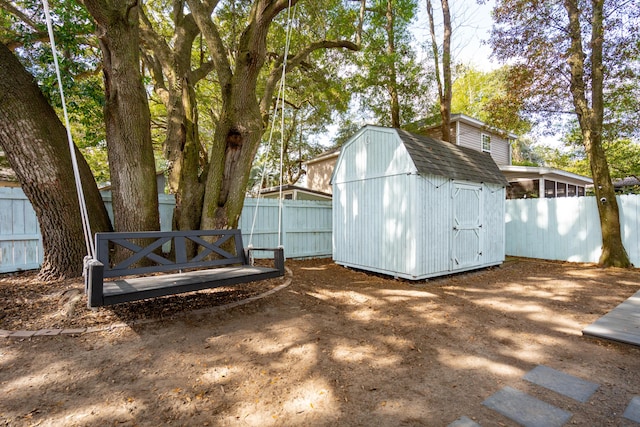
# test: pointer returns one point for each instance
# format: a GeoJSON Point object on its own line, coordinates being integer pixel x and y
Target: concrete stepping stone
{"type": "Point", "coordinates": [565, 384]}
{"type": "Point", "coordinates": [633, 410]}
{"type": "Point", "coordinates": [526, 410]}
{"type": "Point", "coordinates": [464, 422]}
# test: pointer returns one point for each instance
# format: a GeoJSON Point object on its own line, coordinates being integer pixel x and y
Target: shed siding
{"type": "Point", "coordinates": [493, 225]}
{"type": "Point", "coordinates": [372, 154]}
{"type": "Point", "coordinates": [471, 137]}
{"type": "Point", "coordinates": [373, 224]}
{"type": "Point", "coordinates": [434, 213]}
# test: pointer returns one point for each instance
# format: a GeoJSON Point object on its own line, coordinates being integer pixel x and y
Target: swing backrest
{"type": "Point", "coordinates": [143, 251]}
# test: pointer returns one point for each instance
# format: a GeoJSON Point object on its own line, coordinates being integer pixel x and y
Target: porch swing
{"type": "Point", "coordinates": [231, 264]}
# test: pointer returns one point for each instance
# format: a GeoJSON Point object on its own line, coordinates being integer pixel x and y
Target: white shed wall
{"type": "Point", "coordinates": [373, 153]}
{"type": "Point", "coordinates": [374, 225]}
{"type": "Point", "coordinates": [434, 215]}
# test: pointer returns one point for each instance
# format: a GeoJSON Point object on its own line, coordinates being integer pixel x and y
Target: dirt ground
{"type": "Point", "coordinates": [334, 347]}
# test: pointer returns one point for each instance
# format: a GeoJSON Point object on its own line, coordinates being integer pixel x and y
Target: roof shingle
{"type": "Point", "coordinates": [450, 161]}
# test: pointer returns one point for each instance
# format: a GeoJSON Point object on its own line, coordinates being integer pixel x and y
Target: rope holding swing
{"type": "Point", "coordinates": [280, 102]}
{"type": "Point", "coordinates": [86, 226]}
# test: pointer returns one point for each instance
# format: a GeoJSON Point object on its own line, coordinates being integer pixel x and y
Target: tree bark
{"type": "Point", "coordinates": [126, 112]}
{"type": "Point", "coordinates": [175, 82]}
{"type": "Point", "coordinates": [591, 118]}
{"type": "Point", "coordinates": [445, 100]}
{"type": "Point", "coordinates": [392, 86]}
{"type": "Point", "coordinates": [35, 143]}
{"type": "Point", "coordinates": [444, 80]}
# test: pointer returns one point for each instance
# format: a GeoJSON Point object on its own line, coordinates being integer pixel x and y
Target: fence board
{"type": "Point", "coordinates": [20, 239]}
{"type": "Point", "coordinates": [306, 228]}
{"type": "Point", "coordinates": [567, 229]}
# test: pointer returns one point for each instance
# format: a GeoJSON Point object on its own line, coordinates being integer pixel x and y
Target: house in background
{"type": "Point", "coordinates": [8, 177]}
{"type": "Point", "coordinates": [294, 192]}
{"type": "Point", "coordinates": [472, 133]}
{"type": "Point", "coordinates": [540, 182]}
{"type": "Point", "coordinates": [628, 185]}
{"type": "Point", "coordinates": [524, 181]}
{"type": "Point", "coordinates": [319, 170]}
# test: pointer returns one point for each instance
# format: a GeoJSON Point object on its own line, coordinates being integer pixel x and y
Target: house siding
{"type": "Point", "coordinates": [471, 137]}
{"type": "Point", "coordinates": [319, 174]}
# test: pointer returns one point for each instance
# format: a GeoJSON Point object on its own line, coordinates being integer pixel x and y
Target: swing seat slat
{"type": "Point", "coordinates": [224, 266]}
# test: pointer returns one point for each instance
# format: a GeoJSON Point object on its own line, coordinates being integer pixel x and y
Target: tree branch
{"type": "Point", "coordinates": [7, 6]}
{"type": "Point", "coordinates": [296, 61]}
{"type": "Point", "coordinates": [202, 16]}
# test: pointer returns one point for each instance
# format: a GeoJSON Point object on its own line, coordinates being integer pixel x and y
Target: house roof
{"type": "Point", "coordinates": [335, 152]}
{"type": "Point", "coordinates": [449, 160]}
{"type": "Point", "coordinates": [435, 121]}
{"type": "Point", "coordinates": [626, 182]}
{"type": "Point", "coordinates": [532, 172]}
{"type": "Point", "coordinates": [289, 187]}
{"type": "Point", "coordinates": [8, 176]}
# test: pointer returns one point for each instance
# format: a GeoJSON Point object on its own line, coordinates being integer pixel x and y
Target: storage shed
{"type": "Point", "coordinates": [413, 207]}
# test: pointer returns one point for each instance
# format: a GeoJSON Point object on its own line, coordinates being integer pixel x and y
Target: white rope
{"type": "Point", "coordinates": [280, 99]}
{"type": "Point", "coordinates": [86, 227]}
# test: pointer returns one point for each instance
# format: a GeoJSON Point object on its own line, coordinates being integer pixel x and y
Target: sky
{"type": "Point", "coordinates": [471, 24]}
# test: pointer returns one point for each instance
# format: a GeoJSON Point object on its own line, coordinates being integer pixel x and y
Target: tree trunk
{"type": "Point", "coordinates": [35, 143]}
{"type": "Point", "coordinates": [175, 80]}
{"type": "Point", "coordinates": [240, 126]}
{"type": "Point", "coordinates": [591, 119]}
{"type": "Point", "coordinates": [613, 251]}
{"type": "Point", "coordinates": [235, 144]}
{"type": "Point", "coordinates": [186, 170]}
{"type": "Point", "coordinates": [392, 86]}
{"type": "Point", "coordinates": [444, 80]}
{"type": "Point", "coordinates": [126, 112]}
{"type": "Point", "coordinates": [445, 99]}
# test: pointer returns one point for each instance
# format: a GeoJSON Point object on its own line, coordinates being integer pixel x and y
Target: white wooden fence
{"type": "Point", "coordinates": [567, 228]}
{"type": "Point", "coordinates": [305, 229]}
{"type": "Point", "coordinates": [20, 239]}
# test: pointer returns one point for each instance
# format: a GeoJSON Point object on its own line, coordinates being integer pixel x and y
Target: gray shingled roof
{"type": "Point", "coordinates": [450, 161]}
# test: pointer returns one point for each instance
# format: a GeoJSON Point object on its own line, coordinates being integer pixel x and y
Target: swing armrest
{"type": "Point", "coordinates": [93, 282]}
{"type": "Point", "coordinates": [278, 256]}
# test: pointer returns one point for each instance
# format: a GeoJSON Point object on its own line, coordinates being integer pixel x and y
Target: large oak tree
{"type": "Point", "coordinates": [247, 89]}
{"type": "Point", "coordinates": [572, 50]}
{"type": "Point", "coordinates": [35, 143]}
{"type": "Point", "coordinates": [126, 114]}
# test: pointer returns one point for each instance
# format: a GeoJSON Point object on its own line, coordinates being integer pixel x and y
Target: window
{"type": "Point", "coordinates": [486, 143]}
{"type": "Point", "coordinates": [549, 188]}
{"type": "Point", "coordinates": [561, 189]}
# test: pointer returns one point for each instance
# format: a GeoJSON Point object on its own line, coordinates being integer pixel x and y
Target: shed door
{"type": "Point", "coordinates": [467, 225]}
